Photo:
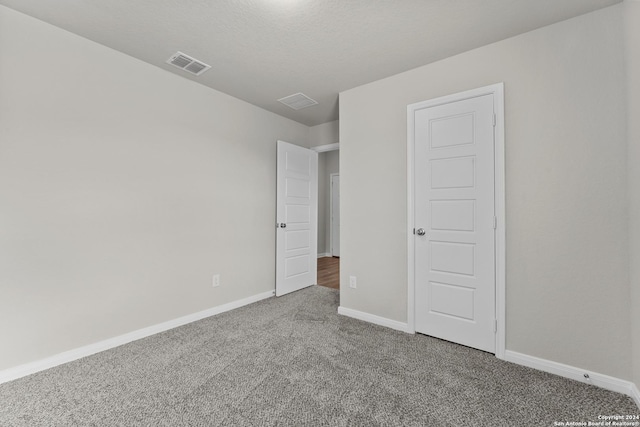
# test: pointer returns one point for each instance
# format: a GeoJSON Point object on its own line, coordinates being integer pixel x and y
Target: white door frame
{"type": "Point", "coordinates": [497, 90]}
{"type": "Point", "coordinates": [331, 175]}
{"type": "Point", "coordinates": [327, 147]}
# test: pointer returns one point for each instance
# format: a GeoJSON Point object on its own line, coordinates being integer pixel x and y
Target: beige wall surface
{"type": "Point", "coordinates": [632, 17]}
{"type": "Point", "coordinates": [324, 134]}
{"type": "Point", "coordinates": [566, 178]}
{"type": "Point", "coordinates": [123, 189]}
{"type": "Point", "coordinates": [328, 163]}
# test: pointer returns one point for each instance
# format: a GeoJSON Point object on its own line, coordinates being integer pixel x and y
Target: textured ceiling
{"type": "Point", "coordinates": [263, 50]}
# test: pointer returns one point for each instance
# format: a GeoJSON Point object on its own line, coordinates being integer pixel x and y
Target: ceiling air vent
{"type": "Point", "coordinates": [187, 63]}
{"type": "Point", "coordinates": [298, 101]}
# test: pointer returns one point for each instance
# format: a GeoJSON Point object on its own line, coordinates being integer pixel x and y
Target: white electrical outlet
{"type": "Point", "coordinates": [352, 282]}
{"type": "Point", "coordinates": [216, 280]}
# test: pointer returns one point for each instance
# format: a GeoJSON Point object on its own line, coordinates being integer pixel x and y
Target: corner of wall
{"type": "Point", "coordinates": [114, 183]}
{"type": "Point", "coordinates": [632, 51]}
{"type": "Point", "coordinates": [324, 134]}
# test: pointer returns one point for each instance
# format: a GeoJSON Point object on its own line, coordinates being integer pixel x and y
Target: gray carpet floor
{"type": "Point", "coordinates": [292, 361]}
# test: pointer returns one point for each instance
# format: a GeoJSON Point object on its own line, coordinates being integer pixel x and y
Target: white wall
{"type": "Point", "coordinates": [566, 178]}
{"type": "Point", "coordinates": [123, 188]}
{"type": "Point", "coordinates": [324, 134]}
{"type": "Point", "coordinates": [328, 163]}
{"type": "Point", "coordinates": [632, 17]}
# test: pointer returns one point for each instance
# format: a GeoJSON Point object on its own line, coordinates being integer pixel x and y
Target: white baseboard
{"type": "Point", "coordinates": [600, 380]}
{"type": "Point", "coordinates": [372, 318]}
{"type": "Point", "coordinates": [324, 255]}
{"type": "Point", "coordinates": [635, 394]}
{"type": "Point", "coordinates": [78, 353]}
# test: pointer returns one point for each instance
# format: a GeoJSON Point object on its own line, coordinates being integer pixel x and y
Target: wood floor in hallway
{"type": "Point", "coordinates": [329, 272]}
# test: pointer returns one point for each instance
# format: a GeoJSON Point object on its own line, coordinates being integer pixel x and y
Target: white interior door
{"type": "Point", "coordinates": [296, 218]}
{"type": "Point", "coordinates": [454, 219]}
{"type": "Point", "coordinates": [335, 215]}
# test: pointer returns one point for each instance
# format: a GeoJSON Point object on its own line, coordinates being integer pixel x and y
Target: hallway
{"type": "Point", "coordinates": [329, 272]}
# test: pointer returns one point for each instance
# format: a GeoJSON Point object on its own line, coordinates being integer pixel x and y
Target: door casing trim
{"type": "Point", "coordinates": [331, 224]}
{"type": "Point", "coordinates": [497, 90]}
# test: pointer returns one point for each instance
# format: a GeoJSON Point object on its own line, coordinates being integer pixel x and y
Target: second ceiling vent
{"type": "Point", "coordinates": [187, 63]}
{"type": "Point", "coordinates": [298, 101]}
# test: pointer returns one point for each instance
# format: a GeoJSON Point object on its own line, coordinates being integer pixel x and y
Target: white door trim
{"type": "Point", "coordinates": [331, 175]}
{"type": "Point", "coordinates": [327, 147]}
{"type": "Point", "coordinates": [497, 90]}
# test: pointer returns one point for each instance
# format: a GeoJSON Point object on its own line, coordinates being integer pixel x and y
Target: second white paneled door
{"type": "Point", "coordinates": [454, 218]}
{"type": "Point", "coordinates": [296, 218]}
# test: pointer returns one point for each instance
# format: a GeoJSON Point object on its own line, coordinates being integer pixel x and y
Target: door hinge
{"type": "Point", "coordinates": [495, 326]}
{"type": "Point", "coordinates": [494, 119]}
{"type": "Point", "coordinates": [495, 222]}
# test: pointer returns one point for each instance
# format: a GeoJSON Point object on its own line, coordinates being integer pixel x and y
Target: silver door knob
{"type": "Point", "coordinates": [283, 225]}
{"type": "Point", "coordinates": [420, 232]}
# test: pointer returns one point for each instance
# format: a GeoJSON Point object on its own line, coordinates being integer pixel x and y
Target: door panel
{"type": "Point", "coordinates": [450, 173]}
{"type": "Point", "coordinates": [297, 188]}
{"type": "Point", "coordinates": [452, 130]}
{"type": "Point", "coordinates": [298, 240]}
{"type": "Point", "coordinates": [452, 215]}
{"type": "Point", "coordinates": [298, 214]}
{"type": "Point", "coordinates": [297, 228]}
{"type": "Point", "coordinates": [449, 300]}
{"type": "Point", "coordinates": [453, 257]}
{"type": "Point", "coordinates": [454, 204]}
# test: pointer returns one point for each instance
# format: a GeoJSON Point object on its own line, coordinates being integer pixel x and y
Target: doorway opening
{"type": "Point", "coordinates": [329, 272]}
{"type": "Point", "coordinates": [328, 216]}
